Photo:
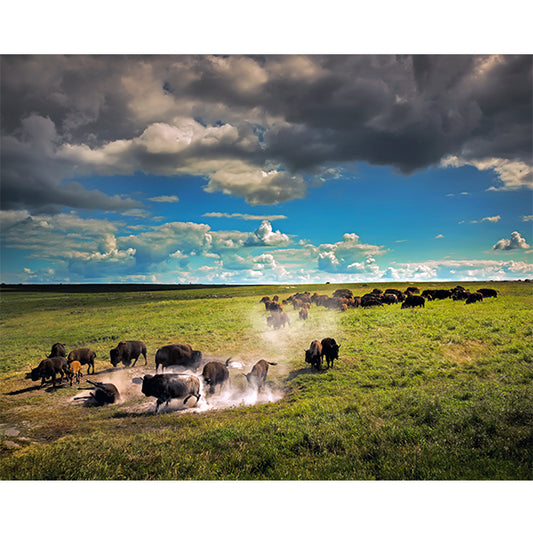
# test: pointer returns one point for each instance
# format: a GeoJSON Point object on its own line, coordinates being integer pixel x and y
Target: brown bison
{"type": "Point", "coordinates": [85, 356]}
{"type": "Point", "coordinates": [258, 374]}
{"type": "Point", "coordinates": [313, 355]}
{"type": "Point", "coordinates": [215, 373]}
{"type": "Point", "coordinates": [303, 314]}
{"type": "Point", "coordinates": [126, 351]}
{"type": "Point", "coordinates": [330, 350]}
{"type": "Point", "coordinates": [58, 350]}
{"type": "Point", "coordinates": [49, 368]}
{"type": "Point", "coordinates": [177, 354]}
{"type": "Point", "coordinates": [104, 392]}
{"type": "Point", "coordinates": [165, 387]}
{"type": "Point", "coordinates": [278, 320]}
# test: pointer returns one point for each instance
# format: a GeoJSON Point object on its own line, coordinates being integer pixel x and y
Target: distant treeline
{"type": "Point", "coordinates": [106, 287]}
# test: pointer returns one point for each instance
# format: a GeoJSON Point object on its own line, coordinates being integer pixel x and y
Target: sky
{"type": "Point", "coordinates": [277, 168]}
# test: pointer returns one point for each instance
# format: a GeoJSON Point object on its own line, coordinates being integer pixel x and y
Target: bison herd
{"type": "Point", "coordinates": [163, 386]}
{"type": "Point", "coordinates": [344, 299]}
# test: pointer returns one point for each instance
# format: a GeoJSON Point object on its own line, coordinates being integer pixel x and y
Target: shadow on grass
{"type": "Point", "coordinates": [32, 388]}
{"type": "Point", "coordinates": [304, 371]}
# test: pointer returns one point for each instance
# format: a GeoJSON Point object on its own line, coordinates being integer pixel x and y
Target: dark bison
{"type": "Point", "coordinates": [313, 355]}
{"type": "Point", "coordinates": [389, 299]}
{"type": "Point", "coordinates": [58, 350]}
{"type": "Point", "coordinates": [74, 371]}
{"type": "Point", "coordinates": [413, 290]}
{"type": "Point", "coordinates": [215, 373]}
{"type": "Point", "coordinates": [330, 350]}
{"type": "Point", "coordinates": [474, 297]}
{"type": "Point", "coordinates": [442, 294]}
{"type": "Point", "coordinates": [488, 293]}
{"type": "Point", "coordinates": [48, 368]}
{"type": "Point", "coordinates": [178, 354]}
{"type": "Point", "coordinates": [258, 374]}
{"type": "Point", "coordinates": [413, 301]}
{"type": "Point", "coordinates": [104, 392]}
{"type": "Point", "coordinates": [126, 351]}
{"type": "Point", "coordinates": [85, 356]}
{"type": "Point", "coordinates": [165, 387]}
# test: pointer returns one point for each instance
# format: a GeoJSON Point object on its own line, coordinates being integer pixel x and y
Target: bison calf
{"type": "Point", "coordinates": [74, 371]}
{"type": "Point", "coordinates": [165, 387]}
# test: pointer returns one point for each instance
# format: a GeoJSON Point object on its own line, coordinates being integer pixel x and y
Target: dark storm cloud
{"type": "Point", "coordinates": [252, 124]}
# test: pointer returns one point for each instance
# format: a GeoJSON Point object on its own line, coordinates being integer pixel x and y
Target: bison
{"type": "Point", "coordinates": [303, 314]}
{"type": "Point", "coordinates": [413, 301]}
{"type": "Point", "coordinates": [74, 371]}
{"type": "Point", "coordinates": [488, 293]}
{"type": "Point", "coordinates": [126, 351]}
{"type": "Point", "coordinates": [58, 350]}
{"type": "Point", "coordinates": [165, 387]}
{"type": "Point", "coordinates": [177, 354]}
{"type": "Point", "coordinates": [313, 355]}
{"type": "Point", "coordinates": [104, 392]}
{"type": "Point", "coordinates": [48, 368]}
{"type": "Point", "coordinates": [85, 356]}
{"type": "Point", "coordinates": [474, 297]}
{"type": "Point", "coordinates": [258, 374]}
{"type": "Point", "coordinates": [215, 373]}
{"type": "Point", "coordinates": [278, 320]}
{"type": "Point", "coordinates": [330, 350]}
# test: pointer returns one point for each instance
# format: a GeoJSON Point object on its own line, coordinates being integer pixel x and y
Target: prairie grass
{"type": "Point", "coordinates": [444, 392]}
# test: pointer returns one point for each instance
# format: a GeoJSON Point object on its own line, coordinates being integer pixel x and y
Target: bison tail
{"type": "Point", "coordinates": [273, 364]}
{"type": "Point", "coordinates": [228, 360]}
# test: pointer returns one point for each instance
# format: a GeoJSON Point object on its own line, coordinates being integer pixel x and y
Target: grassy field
{"type": "Point", "coordinates": [439, 393]}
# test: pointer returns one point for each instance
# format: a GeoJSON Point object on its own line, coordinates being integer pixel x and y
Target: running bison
{"type": "Point", "coordinates": [413, 301]}
{"type": "Point", "coordinates": [85, 356]}
{"type": "Point", "coordinates": [126, 351]}
{"type": "Point", "coordinates": [177, 354]}
{"type": "Point", "coordinates": [258, 374]}
{"type": "Point", "coordinates": [104, 392]}
{"type": "Point", "coordinates": [313, 355]}
{"type": "Point", "coordinates": [165, 387]}
{"type": "Point", "coordinates": [215, 373]}
{"type": "Point", "coordinates": [49, 368]}
{"type": "Point", "coordinates": [330, 350]}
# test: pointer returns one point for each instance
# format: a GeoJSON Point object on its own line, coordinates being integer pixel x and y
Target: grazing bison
{"type": "Point", "coordinates": [389, 298]}
{"type": "Point", "coordinates": [58, 350]}
{"type": "Point", "coordinates": [177, 354]}
{"type": "Point", "coordinates": [474, 297]}
{"type": "Point", "coordinates": [48, 368]}
{"type": "Point", "coordinates": [258, 374]}
{"type": "Point", "coordinates": [74, 371]}
{"type": "Point", "coordinates": [313, 355]}
{"type": "Point", "coordinates": [215, 373]}
{"type": "Point", "coordinates": [165, 387]}
{"type": "Point", "coordinates": [488, 293]}
{"type": "Point", "coordinates": [413, 301]}
{"type": "Point", "coordinates": [330, 350]}
{"type": "Point", "coordinates": [442, 294]}
{"type": "Point", "coordinates": [126, 351]}
{"type": "Point", "coordinates": [85, 356]}
{"type": "Point", "coordinates": [104, 392]}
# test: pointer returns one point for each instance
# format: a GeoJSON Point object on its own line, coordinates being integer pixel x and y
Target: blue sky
{"type": "Point", "coordinates": [266, 169]}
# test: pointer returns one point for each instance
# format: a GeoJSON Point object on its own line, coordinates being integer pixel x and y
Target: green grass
{"type": "Point", "coordinates": [443, 392]}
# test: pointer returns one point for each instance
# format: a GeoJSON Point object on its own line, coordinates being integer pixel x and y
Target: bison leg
{"type": "Point", "coordinates": [134, 361]}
